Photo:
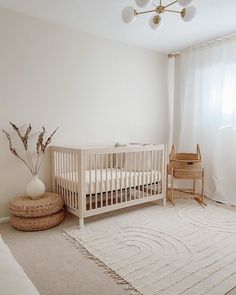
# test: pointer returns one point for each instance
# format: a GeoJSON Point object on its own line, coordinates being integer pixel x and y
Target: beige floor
{"type": "Point", "coordinates": [55, 266]}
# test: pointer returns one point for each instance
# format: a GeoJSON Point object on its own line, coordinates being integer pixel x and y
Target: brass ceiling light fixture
{"type": "Point", "coordinates": [129, 14]}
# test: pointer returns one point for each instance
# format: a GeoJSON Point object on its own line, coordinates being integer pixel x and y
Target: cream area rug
{"type": "Point", "coordinates": [182, 249]}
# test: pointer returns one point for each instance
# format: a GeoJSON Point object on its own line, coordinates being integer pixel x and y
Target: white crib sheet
{"type": "Point", "coordinates": [108, 179]}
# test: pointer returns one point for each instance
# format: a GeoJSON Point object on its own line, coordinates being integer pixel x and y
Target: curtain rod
{"type": "Point", "coordinates": [177, 53]}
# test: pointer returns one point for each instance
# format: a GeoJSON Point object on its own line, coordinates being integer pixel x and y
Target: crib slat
{"type": "Point", "coordinates": [158, 170]}
{"type": "Point", "coordinates": [135, 181]}
{"type": "Point", "coordinates": [139, 182]}
{"type": "Point", "coordinates": [70, 183]}
{"type": "Point", "coordinates": [107, 155]}
{"type": "Point", "coordinates": [63, 176]}
{"type": "Point", "coordinates": [71, 179]}
{"type": "Point", "coordinates": [161, 171]}
{"type": "Point", "coordinates": [101, 180]}
{"type": "Point", "coordinates": [77, 181]}
{"type": "Point", "coordinates": [125, 159]}
{"type": "Point", "coordinates": [147, 172]}
{"type": "Point", "coordinates": [67, 178]}
{"type": "Point", "coordinates": [63, 171]}
{"type": "Point", "coordinates": [56, 171]}
{"type": "Point", "coordinates": [143, 194]}
{"type": "Point", "coordinates": [121, 177]}
{"type": "Point", "coordinates": [111, 171]}
{"type": "Point", "coordinates": [154, 171]}
{"type": "Point", "coordinates": [60, 173]}
{"type": "Point", "coordinates": [53, 165]}
{"type": "Point", "coordinates": [151, 172]}
{"type": "Point", "coordinates": [116, 178]}
{"type": "Point", "coordinates": [96, 182]}
{"type": "Point", "coordinates": [130, 177]}
{"type": "Point", "coordinates": [90, 180]}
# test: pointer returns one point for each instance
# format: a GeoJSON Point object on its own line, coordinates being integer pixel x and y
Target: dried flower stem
{"type": "Point", "coordinates": [40, 147]}
{"type": "Point", "coordinates": [29, 158]}
{"type": "Point", "coordinates": [37, 168]}
{"type": "Point", "coordinates": [40, 155]}
{"type": "Point", "coordinates": [14, 152]}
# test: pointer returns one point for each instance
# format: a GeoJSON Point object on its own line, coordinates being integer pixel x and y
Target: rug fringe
{"type": "Point", "coordinates": [119, 280]}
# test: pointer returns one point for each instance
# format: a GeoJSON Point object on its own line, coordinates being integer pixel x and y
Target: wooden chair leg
{"type": "Point", "coordinates": [167, 182]}
{"type": "Point", "coordinates": [172, 187]}
{"type": "Point", "coordinates": [200, 199]}
{"type": "Point", "coordinates": [203, 186]}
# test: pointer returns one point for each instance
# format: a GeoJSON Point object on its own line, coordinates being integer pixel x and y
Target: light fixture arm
{"type": "Point", "coordinates": [187, 13]}
{"type": "Point", "coordinates": [171, 4]}
{"type": "Point", "coordinates": [175, 11]}
{"type": "Point", "coordinates": [156, 10]}
{"type": "Point", "coordinates": [143, 12]}
{"type": "Point", "coordinates": [159, 9]}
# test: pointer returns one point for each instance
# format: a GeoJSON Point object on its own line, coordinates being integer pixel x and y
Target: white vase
{"type": "Point", "coordinates": [35, 188]}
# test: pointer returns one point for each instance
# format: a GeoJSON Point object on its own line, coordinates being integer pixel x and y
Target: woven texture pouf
{"type": "Point", "coordinates": [38, 214]}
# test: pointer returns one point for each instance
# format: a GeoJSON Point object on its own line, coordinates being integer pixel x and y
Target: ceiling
{"type": "Point", "coordinates": [102, 17]}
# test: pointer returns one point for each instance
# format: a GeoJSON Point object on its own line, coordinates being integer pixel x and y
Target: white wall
{"type": "Point", "coordinates": [97, 91]}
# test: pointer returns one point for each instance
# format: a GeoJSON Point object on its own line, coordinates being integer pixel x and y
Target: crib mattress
{"type": "Point", "coordinates": [104, 180]}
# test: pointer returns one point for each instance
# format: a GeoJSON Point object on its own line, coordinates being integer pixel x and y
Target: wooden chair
{"type": "Point", "coordinates": [185, 166]}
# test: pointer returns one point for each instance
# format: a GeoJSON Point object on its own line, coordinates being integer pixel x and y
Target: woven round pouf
{"type": "Point", "coordinates": [37, 223]}
{"type": "Point", "coordinates": [37, 214]}
{"type": "Point", "coordinates": [48, 204]}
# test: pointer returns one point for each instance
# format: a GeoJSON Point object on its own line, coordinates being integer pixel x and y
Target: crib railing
{"type": "Point", "coordinates": [94, 181]}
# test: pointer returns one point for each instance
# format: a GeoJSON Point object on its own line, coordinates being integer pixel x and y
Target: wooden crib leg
{"type": "Point", "coordinates": [81, 222]}
{"type": "Point", "coordinates": [164, 201]}
{"type": "Point", "coordinates": [194, 186]}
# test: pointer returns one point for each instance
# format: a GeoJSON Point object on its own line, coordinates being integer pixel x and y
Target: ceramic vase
{"type": "Point", "coordinates": [35, 188]}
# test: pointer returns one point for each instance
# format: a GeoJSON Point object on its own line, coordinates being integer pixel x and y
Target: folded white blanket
{"type": "Point", "coordinates": [13, 279]}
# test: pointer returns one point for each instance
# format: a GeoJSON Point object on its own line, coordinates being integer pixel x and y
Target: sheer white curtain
{"type": "Point", "coordinates": [171, 93]}
{"type": "Point", "coordinates": [205, 112]}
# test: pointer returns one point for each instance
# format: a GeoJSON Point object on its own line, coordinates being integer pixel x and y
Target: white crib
{"type": "Point", "coordinates": [99, 180]}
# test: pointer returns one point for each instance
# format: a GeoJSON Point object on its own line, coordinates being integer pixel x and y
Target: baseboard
{"type": "Point", "coordinates": [4, 219]}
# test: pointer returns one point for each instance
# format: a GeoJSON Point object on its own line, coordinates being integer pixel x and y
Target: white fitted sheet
{"type": "Point", "coordinates": [110, 179]}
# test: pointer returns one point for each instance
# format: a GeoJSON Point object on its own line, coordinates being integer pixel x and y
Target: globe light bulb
{"type": "Point", "coordinates": [143, 3]}
{"type": "Point", "coordinates": [185, 3]}
{"type": "Point", "coordinates": [128, 15]}
{"type": "Point", "coordinates": [155, 22]}
{"type": "Point", "coordinates": [188, 13]}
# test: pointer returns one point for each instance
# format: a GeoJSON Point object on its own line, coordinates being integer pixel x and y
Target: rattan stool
{"type": "Point", "coordinates": [32, 215]}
